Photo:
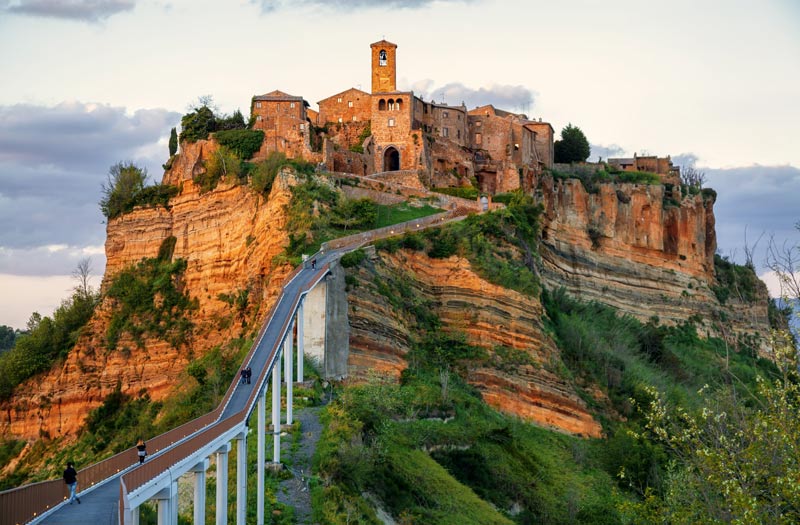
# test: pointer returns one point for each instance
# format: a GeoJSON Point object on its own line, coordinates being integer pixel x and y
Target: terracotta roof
{"type": "Point", "coordinates": [382, 43]}
{"type": "Point", "coordinates": [278, 96]}
{"type": "Point", "coordinates": [344, 92]}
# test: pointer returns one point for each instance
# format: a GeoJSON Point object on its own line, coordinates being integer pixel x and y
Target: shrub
{"type": "Point", "coordinates": [465, 192]}
{"type": "Point", "coordinates": [125, 181]}
{"type": "Point", "coordinates": [243, 142]}
{"type": "Point", "coordinates": [197, 124]}
{"type": "Point", "coordinates": [352, 259]}
{"type": "Point", "coordinates": [222, 163]}
{"type": "Point", "coordinates": [173, 142]}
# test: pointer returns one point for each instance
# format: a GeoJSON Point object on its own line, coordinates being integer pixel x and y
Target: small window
{"type": "Point", "coordinates": [445, 132]}
{"type": "Point", "coordinates": [398, 104]}
{"type": "Point", "coordinates": [382, 57]}
{"type": "Point", "coordinates": [258, 104]}
{"type": "Point", "coordinates": [478, 138]}
{"type": "Point", "coordinates": [302, 127]}
{"type": "Point", "coordinates": [355, 118]}
{"type": "Point", "coordinates": [381, 105]}
{"type": "Point", "coordinates": [258, 118]}
{"type": "Point", "coordinates": [478, 124]}
{"type": "Point", "coordinates": [339, 100]}
{"type": "Point", "coordinates": [391, 105]}
{"type": "Point", "coordinates": [458, 133]}
{"type": "Point", "coordinates": [340, 120]}
{"type": "Point", "coordinates": [459, 116]}
{"type": "Point", "coordinates": [291, 105]}
{"type": "Point", "coordinates": [391, 122]}
{"type": "Point", "coordinates": [444, 114]}
{"type": "Point", "coordinates": [350, 104]}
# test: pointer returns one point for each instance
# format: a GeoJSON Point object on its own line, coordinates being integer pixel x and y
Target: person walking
{"type": "Point", "coordinates": [142, 450]}
{"type": "Point", "coordinates": [243, 375]}
{"type": "Point", "coordinates": [71, 479]}
{"type": "Point", "coordinates": [248, 374]}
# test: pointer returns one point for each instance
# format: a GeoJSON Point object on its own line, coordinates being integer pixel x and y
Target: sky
{"type": "Point", "coordinates": [85, 84]}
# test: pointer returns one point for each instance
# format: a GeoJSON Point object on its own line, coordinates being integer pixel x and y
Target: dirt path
{"type": "Point", "coordinates": [294, 492]}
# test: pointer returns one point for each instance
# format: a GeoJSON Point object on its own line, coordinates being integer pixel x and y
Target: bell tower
{"type": "Point", "coordinates": [384, 69]}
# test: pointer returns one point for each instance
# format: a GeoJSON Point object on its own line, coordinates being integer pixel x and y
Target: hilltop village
{"type": "Point", "coordinates": [389, 130]}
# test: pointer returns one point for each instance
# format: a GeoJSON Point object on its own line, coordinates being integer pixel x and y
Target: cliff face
{"type": "Point", "coordinates": [228, 237]}
{"type": "Point", "coordinates": [624, 247]}
{"type": "Point", "coordinates": [489, 315]}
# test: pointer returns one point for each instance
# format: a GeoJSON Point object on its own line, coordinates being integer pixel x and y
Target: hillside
{"type": "Point", "coordinates": [555, 311]}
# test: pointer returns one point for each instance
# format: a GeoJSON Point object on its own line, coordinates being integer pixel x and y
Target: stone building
{"type": "Point", "coordinates": [283, 119]}
{"type": "Point", "coordinates": [649, 163]}
{"type": "Point", "coordinates": [392, 130]}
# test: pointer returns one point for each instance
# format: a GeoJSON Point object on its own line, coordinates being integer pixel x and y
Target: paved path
{"type": "Point", "coordinates": [294, 491]}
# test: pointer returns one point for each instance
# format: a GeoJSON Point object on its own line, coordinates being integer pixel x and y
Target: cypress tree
{"type": "Point", "coordinates": [173, 142]}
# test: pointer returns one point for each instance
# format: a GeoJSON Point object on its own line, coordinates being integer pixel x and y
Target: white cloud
{"type": "Point", "coordinates": [605, 152]}
{"type": "Point", "coordinates": [268, 6]}
{"type": "Point", "coordinates": [508, 97]}
{"type": "Point", "coordinates": [23, 295]}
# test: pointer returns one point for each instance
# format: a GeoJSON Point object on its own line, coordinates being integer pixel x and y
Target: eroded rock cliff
{"type": "Point", "coordinates": [633, 247]}
{"type": "Point", "coordinates": [229, 238]}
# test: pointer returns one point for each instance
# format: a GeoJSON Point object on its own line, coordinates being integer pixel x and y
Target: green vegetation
{"type": "Point", "coordinates": [501, 245]}
{"type": "Point", "coordinates": [318, 213]}
{"type": "Point", "coordinates": [7, 338]}
{"type": "Point", "coordinates": [149, 301]}
{"type": "Point", "coordinates": [465, 192]}
{"type": "Point", "coordinates": [591, 178]}
{"type": "Point", "coordinates": [223, 163]}
{"type": "Point", "coordinates": [358, 147]}
{"type": "Point", "coordinates": [573, 146]}
{"type": "Point", "coordinates": [733, 280]}
{"type": "Point", "coordinates": [173, 142]}
{"type": "Point", "coordinates": [351, 259]}
{"type": "Point", "coordinates": [125, 189]}
{"type": "Point", "coordinates": [47, 341]}
{"type": "Point", "coordinates": [243, 142]}
{"type": "Point", "coordinates": [202, 121]}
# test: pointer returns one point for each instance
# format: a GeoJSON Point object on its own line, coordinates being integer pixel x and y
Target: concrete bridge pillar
{"type": "Point", "coordinates": [168, 504]}
{"type": "Point", "coordinates": [222, 484]}
{"type": "Point", "coordinates": [199, 471]}
{"type": "Point", "coordinates": [288, 344]}
{"type": "Point", "coordinates": [262, 430]}
{"type": "Point", "coordinates": [299, 321]}
{"type": "Point", "coordinates": [241, 478]}
{"type": "Point", "coordinates": [276, 410]}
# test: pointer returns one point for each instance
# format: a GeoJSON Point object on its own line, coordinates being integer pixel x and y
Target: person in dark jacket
{"type": "Point", "coordinates": [248, 374]}
{"type": "Point", "coordinates": [71, 479]}
{"type": "Point", "coordinates": [142, 450]}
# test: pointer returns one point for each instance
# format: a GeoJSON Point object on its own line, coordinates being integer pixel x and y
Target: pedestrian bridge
{"type": "Point", "coordinates": [309, 318]}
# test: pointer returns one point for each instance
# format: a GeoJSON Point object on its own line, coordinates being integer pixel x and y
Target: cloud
{"type": "Point", "coordinates": [507, 97]}
{"type": "Point", "coordinates": [612, 150]}
{"type": "Point", "coordinates": [685, 160]}
{"type": "Point", "coordinates": [268, 6]}
{"type": "Point", "coordinates": [84, 10]}
{"type": "Point", "coordinates": [53, 161]}
{"type": "Point", "coordinates": [755, 199]}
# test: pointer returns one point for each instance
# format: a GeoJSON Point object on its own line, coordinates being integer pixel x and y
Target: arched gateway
{"type": "Point", "coordinates": [391, 159]}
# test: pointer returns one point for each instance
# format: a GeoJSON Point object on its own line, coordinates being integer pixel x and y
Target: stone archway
{"type": "Point", "coordinates": [391, 159]}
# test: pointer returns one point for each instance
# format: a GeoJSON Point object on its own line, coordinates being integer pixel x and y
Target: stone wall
{"type": "Point", "coordinates": [352, 105]}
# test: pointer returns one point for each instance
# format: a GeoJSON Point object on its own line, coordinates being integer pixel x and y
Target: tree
{"type": "Point", "coordinates": [7, 336]}
{"type": "Point", "coordinates": [573, 146]}
{"type": "Point", "coordinates": [82, 273]}
{"type": "Point", "coordinates": [198, 124]}
{"type": "Point", "coordinates": [692, 177]}
{"type": "Point", "coordinates": [125, 181]}
{"type": "Point", "coordinates": [173, 142]}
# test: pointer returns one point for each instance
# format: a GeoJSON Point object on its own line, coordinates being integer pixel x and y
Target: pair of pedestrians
{"type": "Point", "coordinates": [246, 374]}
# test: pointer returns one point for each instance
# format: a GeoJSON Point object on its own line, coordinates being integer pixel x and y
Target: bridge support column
{"type": "Point", "coordinates": [276, 411]}
{"type": "Point", "coordinates": [241, 478]}
{"type": "Point", "coordinates": [222, 484]}
{"type": "Point", "coordinates": [168, 504]}
{"type": "Point", "coordinates": [288, 345]}
{"type": "Point", "coordinates": [199, 471]}
{"type": "Point", "coordinates": [299, 324]}
{"type": "Point", "coordinates": [262, 430]}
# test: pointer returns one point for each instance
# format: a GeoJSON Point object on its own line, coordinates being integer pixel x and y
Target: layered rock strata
{"type": "Point", "coordinates": [489, 315]}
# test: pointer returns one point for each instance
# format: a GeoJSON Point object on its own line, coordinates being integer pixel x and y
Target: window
{"type": "Point", "coordinates": [478, 124]}
{"type": "Point", "coordinates": [398, 102]}
{"type": "Point", "coordinates": [349, 103]}
{"type": "Point", "coordinates": [445, 132]}
{"type": "Point", "coordinates": [444, 114]}
{"type": "Point", "coordinates": [382, 57]}
{"type": "Point", "coordinates": [339, 100]}
{"type": "Point", "coordinates": [478, 138]}
{"type": "Point", "coordinates": [340, 120]}
{"type": "Point", "coordinates": [355, 118]}
{"type": "Point", "coordinates": [258, 104]}
{"type": "Point", "coordinates": [458, 133]}
{"type": "Point", "coordinates": [391, 122]}
{"type": "Point", "coordinates": [258, 118]}
{"type": "Point", "coordinates": [302, 127]}
{"type": "Point", "coordinates": [291, 105]}
{"type": "Point", "coordinates": [381, 105]}
{"type": "Point", "coordinates": [391, 105]}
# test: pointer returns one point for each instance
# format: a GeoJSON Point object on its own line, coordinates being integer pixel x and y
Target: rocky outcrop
{"type": "Point", "coordinates": [489, 315]}
{"type": "Point", "coordinates": [229, 238]}
{"type": "Point", "coordinates": [630, 246]}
